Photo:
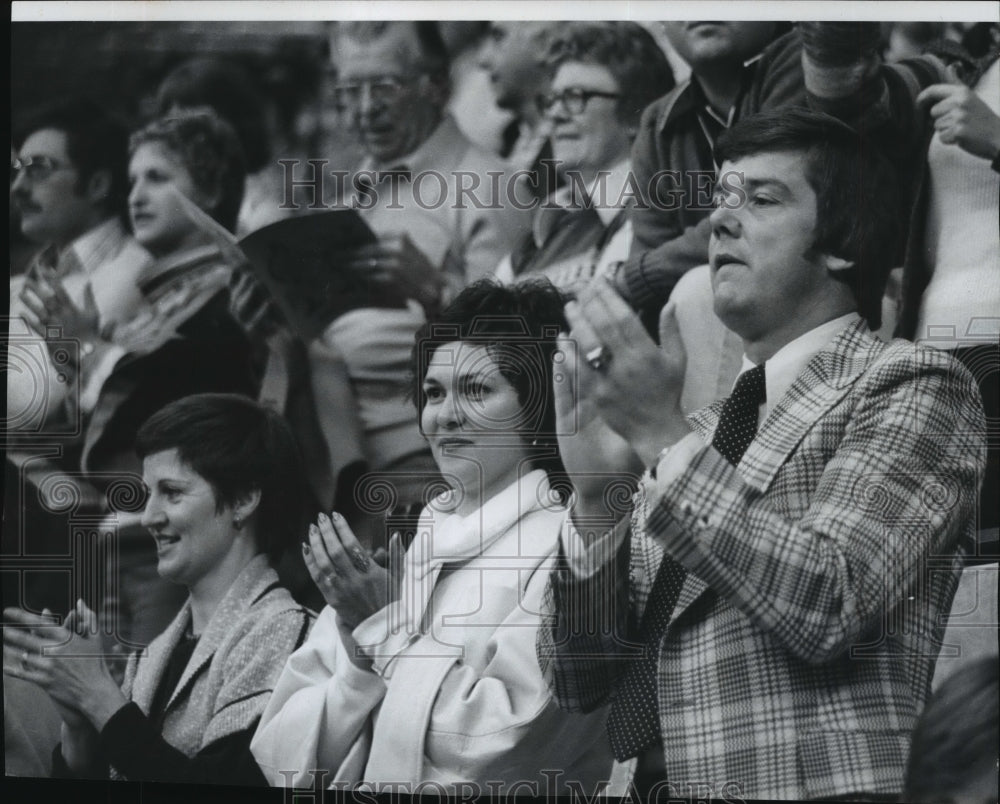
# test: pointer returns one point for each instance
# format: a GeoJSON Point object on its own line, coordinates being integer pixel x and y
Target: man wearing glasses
{"type": "Point", "coordinates": [68, 186]}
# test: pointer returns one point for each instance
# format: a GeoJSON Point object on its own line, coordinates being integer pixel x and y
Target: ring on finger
{"type": "Point", "coordinates": [24, 660]}
{"type": "Point", "coordinates": [597, 358]}
{"type": "Point", "coordinates": [360, 559]}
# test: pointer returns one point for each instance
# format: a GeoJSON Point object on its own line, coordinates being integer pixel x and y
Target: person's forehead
{"type": "Point", "coordinates": [50, 142]}
{"type": "Point", "coordinates": [166, 463]}
{"type": "Point", "coordinates": [587, 75]}
{"type": "Point", "coordinates": [155, 152]}
{"type": "Point", "coordinates": [786, 168]}
{"type": "Point", "coordinates": [460, 359]}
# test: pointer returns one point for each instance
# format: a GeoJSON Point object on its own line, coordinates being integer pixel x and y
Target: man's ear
{"type": "Point", "coordinates": [837, 263]}
{"type": "Point", "coordinates": [99, 187]}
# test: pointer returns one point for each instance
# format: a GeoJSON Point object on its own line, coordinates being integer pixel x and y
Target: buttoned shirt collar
{"type": "Point", "coordinates": [787, 363]}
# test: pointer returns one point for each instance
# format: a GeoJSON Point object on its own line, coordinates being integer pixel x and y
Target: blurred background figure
{"type": "Point", "coordinates": [904, 40]}
{"type": "Point", "coordinates": [950, 294]}
{"type": "Point", "coordinates": [221, 86]}
{"type": "Point", "coordinates": [68, 188]}
{"type": "Point", "coordinates": [403, 683]}
{"type": "Point", "coordinates": [482, 121]}
{"type": "Point", "coordinates": [513, 56]}
{"type": "Point", "coordinates": [225, 495]}
{"type": "Point", "coordinates": [953, 756]}
{"type": "Point", "coordinates": [603, 75]}
{"type": "Point", "coordinates": [675, 141]}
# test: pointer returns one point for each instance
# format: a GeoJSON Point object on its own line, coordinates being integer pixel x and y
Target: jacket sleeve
{"type": "Point", "coordinates": [583, 643]}
{"type": "Point", "coordinates": [667, 240]}
{"type": "Point", "coordinates": [131, 743]}
{"type": "Point", "coordinates": [320, 707]}
{"type": "Point", "coordinates": [901, 487]}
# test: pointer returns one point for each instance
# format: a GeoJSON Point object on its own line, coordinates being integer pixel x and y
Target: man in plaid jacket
{"type": "Point", "coordinates": [784, 576]}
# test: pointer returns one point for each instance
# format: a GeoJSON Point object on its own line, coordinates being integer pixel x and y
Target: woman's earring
{"type": "Point", "coordinates": [238, 522]}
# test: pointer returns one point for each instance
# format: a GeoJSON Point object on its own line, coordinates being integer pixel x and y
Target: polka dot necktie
{"type": "Point", "coordinates": [738, 420]}
{"type": "Point", "coordinates": [634, 721]}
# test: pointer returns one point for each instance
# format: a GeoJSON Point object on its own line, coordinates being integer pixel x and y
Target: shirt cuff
{"type": "Point", "coordinates": [675, 460]}
{"type": "Point", "coordinates": [586, 559]}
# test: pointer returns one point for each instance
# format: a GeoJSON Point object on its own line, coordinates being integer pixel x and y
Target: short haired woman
{"type": "Point", "coordinates": [224, 497]}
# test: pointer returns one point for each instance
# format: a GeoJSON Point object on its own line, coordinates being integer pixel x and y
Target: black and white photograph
{"type": "Point", "coordinates": [496, 400]}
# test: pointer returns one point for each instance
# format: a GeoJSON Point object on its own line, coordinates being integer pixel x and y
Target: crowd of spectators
{"type": "Point", "coordinates": [608, 550]}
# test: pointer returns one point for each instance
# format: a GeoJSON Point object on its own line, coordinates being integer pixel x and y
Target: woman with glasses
{"type": "Point", "coordinates": [422, 678]}
{"type": "Point", "coordinates": [603, 75]}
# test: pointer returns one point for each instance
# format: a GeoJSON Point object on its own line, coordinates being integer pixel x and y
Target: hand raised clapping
{"type": "Point", "coordinates": [350, 581]}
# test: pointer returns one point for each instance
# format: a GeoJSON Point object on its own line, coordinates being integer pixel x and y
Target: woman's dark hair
{"type": "Point", "coordinates": [209, 150]}
{"type": "Point", "coordinates": [858, 201]}
{"type": "Point", "coordinates": [223, 87]}
{"type": "Point", "coordinates": [237, 446]}
{"type": "Point", "coordinates": [518, 325]}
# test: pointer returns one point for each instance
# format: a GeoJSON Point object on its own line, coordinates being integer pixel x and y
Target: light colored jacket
{"type": "Point", "coordinates": [454, 694]}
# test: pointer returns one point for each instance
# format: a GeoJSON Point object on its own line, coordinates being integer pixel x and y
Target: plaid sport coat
{"type": "Point", "coordinates": [801, 649]}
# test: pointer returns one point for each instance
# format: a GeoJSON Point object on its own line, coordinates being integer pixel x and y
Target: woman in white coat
{"type": "Point", "coordinates": [428, 683]}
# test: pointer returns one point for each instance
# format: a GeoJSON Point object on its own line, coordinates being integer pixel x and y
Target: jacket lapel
{"type": "Point", "coordinates": [827, 377]}
{"type": "Point", "coordinates": [825, 380]}
{"type": "Point", "coordinates": [158, 654]}
{"type": "Point", "coordinates": [245, 589]}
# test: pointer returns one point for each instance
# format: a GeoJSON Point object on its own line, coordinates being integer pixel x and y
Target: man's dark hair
{"type": "Point", "coordinates": [238, 446]}
{"type": "Point", "coordinates": [225, 88]}
{"type": "Point", "coordinates": [954, 745]}
{"type": "Point", "coordinates": [628, 51]}
{"type": "Point", "coordinates": [209, 150]}
{"type": "Point", "coordinates": [858, 206]}
{"type": "Point", "coordinates": [96, 140]}
{"type": "Point", "coordinates": [518, 325]}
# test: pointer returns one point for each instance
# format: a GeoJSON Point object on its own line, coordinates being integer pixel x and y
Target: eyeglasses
{"type": "Point", "coordinates": [36, 168]}
{"type": "Point", "coordinates": [382, 90]}
{"type": "Point", "coordinates": [573, 99]}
